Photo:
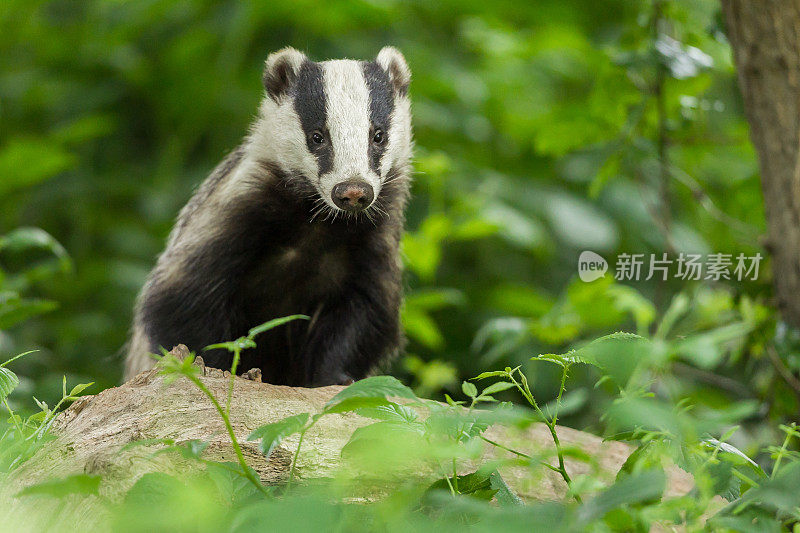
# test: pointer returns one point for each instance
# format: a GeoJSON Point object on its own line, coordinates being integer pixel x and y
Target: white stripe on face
{"type": "Point", "coordinates": [348, 122]}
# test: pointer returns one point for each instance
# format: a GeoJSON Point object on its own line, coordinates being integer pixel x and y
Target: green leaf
{"type": "Point", "coordinates": [474, 229]}
{"type": "Point", "coordinates": [233, 486]}
{"type": "Point", "coordinates": [274, 323]}
{"type": "Point", "coordinates": [729, 448]}
{"type": "Point", "coordinates": [29, 237]}
{"type": "Point", "coordinates": [86, 128]}
{"type": "Point", "coordinates": [498, 387]}
{"type": "Point", "coordinates": [450, 401]}
{"type": "Point", "coordinates": [492, 374]}
{"type": "Point", "coordinates": [15, 310]}
{"type": "Point", "coordinates": [367, 441]}
{"type": "Point", "coordinates": [42, 405]}
{"type": "Point", "coordinates": [242, 343]}
{"type": "Point", "coordinates": [632, 489]}
{"type": "Point", "coordinates": [469, 389]}
{"type": "Point", "coordinates": [504, 495]}
{"type": "Point", "coordinates": [391, 412]}
{"type": "Point", "coordinates": [172, 367]}
{"type": "Point", "coordinates": [630, 300]}
{"type": "Point", "coordinates": [191, 449]}
{"type": "Point", "coordinates": [8, 382]}
{"type": "Point", "coordinates": [77, 389]}
{"type": "Point", "coordinates": [434, 299]}
{"type": "Point", "coordinates": [477, 485]}
{"type": "Point", "coordinates": [419, 325]}
{"type": "Point", "coordinates": [84, 484]}
{"type": "Point", "coordinates": [677, 308]}
{"type": "Point", "coordinates": [373, 387]}
{"type": "Point", "coordinates": [781, 493]}
{"type": "Point", "coordinates": [617, 354]}
{"type": "Point", "coordinates": [352, 404]}
{"type": "Point", "coordinates": [154, 488]}
{"type": "Point", "coordinates": [24, 163]}
{"type": "Point", "coordinates": [271, 435]}
{"type": "Point", "coordinates": [5, 363]}
{"type": "Point", "coordinates": [459, 425]}
{"type": "Point", "coordinates": [724, 479]}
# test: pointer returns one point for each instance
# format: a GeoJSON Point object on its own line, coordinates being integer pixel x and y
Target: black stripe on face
{"type": "Point", "coordinates": [381, 105]}
{"type": "Point", "coordinates": [309, 104]}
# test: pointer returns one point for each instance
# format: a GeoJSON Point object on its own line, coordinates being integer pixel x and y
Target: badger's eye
{"type": "Point", "coordinates": [317, 138]}
{"type": "Point", "coordinates": [378, 137]}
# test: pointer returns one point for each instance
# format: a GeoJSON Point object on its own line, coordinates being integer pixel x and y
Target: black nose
{"type": "Point", "coordinates": [352, 195]}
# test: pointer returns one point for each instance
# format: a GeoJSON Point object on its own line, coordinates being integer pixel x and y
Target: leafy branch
{"type": "Point", "coordinates": [172, 367]}
{"type": "Point", "coordinates": [517, 379]}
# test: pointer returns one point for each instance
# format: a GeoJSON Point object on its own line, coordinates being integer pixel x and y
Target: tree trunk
{"type": "Point", "coordinates": [765, 36]}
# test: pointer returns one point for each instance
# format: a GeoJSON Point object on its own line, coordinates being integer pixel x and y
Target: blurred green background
{"type": "Point", "coordinates": [542, 129]}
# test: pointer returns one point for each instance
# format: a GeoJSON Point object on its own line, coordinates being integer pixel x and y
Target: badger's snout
{"type": "Point", "coordinates": [353, 195]}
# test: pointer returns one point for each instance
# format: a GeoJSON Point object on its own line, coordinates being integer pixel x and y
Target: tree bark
{"type": "Point", "coordinates": [765, 37]}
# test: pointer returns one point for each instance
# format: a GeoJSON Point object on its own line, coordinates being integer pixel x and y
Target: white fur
{"type": "Point", "coordinates": [398, 147]}
{"type": "Point", "coordinates": [277, 134]}
{"type": "Point", "coordinates": [389, 57]}
{"type": "Point", "coordinates": [294, 58]}
{"type": "Point", "coordinates": [349, 126]}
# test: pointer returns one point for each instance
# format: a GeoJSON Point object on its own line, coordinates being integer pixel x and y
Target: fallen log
{"type": "Point", "coordinates": [95, 435]}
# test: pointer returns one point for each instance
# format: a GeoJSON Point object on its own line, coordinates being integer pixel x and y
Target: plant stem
{"type": "Point", "coordinates": [236, 448]}
{"type": "Point", "coordinates": [449, 483]}
{"type": "Point", "coordinates": [297, 453]}
{"type": "Point", "coordinates": [520, 454]}
{"type": "Point", "coordinates": [526, 392]}
{"type": "Point", "coordinates": [455, 475]}
{"type": "Point", "coordinates": [560, 392]}
{"type": "Point", "coordinates": [13, 416]}
{"type": "Point", "coordinates": [780, 455]}
{"type": "Point", "coordinates": [48, 421]}
{"type": "Point", "coordinates": [236, 354]}
{"type": "Point", "coordinates": [506, 448]}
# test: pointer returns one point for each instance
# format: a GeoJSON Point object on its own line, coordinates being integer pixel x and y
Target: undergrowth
{"type": "Point", "coordinates": [427, 458]}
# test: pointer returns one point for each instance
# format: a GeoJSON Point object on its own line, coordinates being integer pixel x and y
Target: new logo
{"type": "Point", "coordinates": [591, 266]}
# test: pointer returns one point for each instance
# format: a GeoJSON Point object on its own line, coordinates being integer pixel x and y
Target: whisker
{"type": "Point", "coordinates": [380, 210]}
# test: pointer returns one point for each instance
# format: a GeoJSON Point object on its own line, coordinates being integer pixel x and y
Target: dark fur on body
{"type": "Point", "coordinates": [271, 258]}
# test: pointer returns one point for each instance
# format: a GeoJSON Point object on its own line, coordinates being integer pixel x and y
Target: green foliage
{"type": "Point", "coordinates": [541, 130]}
{"type": "Point", "coordinates": [374, 387]}
{"type": "Point", "coordinates": [271, 435]}
{"type": "Point", "coordinates": [536, 130]}
{"type": "Point", "coordinates": [407, 431]}
{"type": "Point", "coordinates": [21, 437]}
{"type": "Point", "coordinates": [445, 437]}
{"type": "Point", "coordinates": [82, 484]}
{"type": "Point", "coordinates": [8, 382]}
{"type": "Point", "coordinates": [15, 308]}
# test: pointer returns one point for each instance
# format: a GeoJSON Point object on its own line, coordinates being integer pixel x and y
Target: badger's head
{"type": "Point", "coordinates": [341, 127]}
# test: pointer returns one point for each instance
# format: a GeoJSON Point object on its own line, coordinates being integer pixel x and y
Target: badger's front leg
{"type": "Point", "coordinates": [349, 337]}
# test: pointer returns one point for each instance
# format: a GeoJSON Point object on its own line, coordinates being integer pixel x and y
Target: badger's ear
{"type": "Point", "coordinates": [281, 70]}
{"type": "Point", "coordinates": [392, 61]}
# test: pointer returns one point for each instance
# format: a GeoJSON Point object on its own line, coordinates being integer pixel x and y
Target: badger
{"type": "Point", "coordinates": [304, 217]}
